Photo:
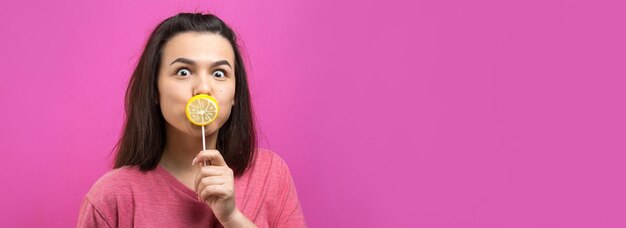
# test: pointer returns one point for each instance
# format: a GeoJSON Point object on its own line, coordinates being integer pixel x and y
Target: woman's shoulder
{"type": "Point", "coordinates": [270, 181]}
{"type": "Point", "coordinates": [269, 160]}
{"type": "Point", "coordinates": [115, 183]}
{"type": "Point", "coordinates": [111, 194]}
{"type": "Point", "coordinates": [268, 168]}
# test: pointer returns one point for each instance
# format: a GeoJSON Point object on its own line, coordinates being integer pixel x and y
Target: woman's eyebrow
{"type": "Point", "coordinates": [191, 62]}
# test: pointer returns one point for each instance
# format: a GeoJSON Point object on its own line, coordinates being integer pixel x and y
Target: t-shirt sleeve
{"type": "Point", "coordinates": [290, 213]}
{"type": "Point", "coordinates": [89, 216]}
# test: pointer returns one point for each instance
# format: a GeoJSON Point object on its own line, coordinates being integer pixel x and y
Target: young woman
{"type": "Point", "coordinates": [159, 178]}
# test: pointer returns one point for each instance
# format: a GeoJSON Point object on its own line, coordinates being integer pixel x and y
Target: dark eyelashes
{"type": "Point", "coordinates": [182, 68]}
{"type": "Point", "coordinates": [179, 69]}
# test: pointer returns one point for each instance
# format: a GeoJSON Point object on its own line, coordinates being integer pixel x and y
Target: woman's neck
{"type": "Point", "coordinates": [181, 148]}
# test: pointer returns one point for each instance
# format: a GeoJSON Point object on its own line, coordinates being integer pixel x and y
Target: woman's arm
{"type": "Point", "coordinates": [89, 216]}
{"type": "Point", "coordinates": [290, 213]}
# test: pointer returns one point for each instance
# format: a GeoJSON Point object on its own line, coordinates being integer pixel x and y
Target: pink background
{"type": "Point", "coordinates": [438, 113]}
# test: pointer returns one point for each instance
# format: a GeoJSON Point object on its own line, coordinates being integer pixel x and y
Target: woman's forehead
{"type": "Point", "coordinates": [203, 48]}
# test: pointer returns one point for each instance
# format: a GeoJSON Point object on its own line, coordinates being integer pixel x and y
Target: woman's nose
{"type": "Point", "coordinates": [203, 85]}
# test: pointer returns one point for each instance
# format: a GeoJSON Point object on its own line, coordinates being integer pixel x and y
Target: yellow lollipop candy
{"type": "Point", "coordinates": [201, 109]}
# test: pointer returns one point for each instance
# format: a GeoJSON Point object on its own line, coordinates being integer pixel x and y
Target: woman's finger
{"type": "Point", "coordinates": [208, 181]}
{"type": "Point", "coordinates": [208, 171]}
{"type": "Point", "coordinates": [218, 191]}
{"type": "Point", "coordinates": [212, 156]}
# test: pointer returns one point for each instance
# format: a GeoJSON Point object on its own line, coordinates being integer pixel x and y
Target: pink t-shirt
{"type": "Point", "coordinates": [127, 197]}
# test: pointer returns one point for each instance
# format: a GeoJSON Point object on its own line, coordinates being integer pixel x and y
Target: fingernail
{"type": "Point", "coordinates": [194, 161]}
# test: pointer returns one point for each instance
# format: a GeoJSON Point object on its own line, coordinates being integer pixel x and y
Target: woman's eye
{"type": "Point", "coordinates": [183, 72]}
{"type": "Point", "coordinates": [219, 74]}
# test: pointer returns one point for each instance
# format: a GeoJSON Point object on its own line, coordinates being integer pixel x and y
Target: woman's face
{"type": "Point", "coordinates": [196, 63]}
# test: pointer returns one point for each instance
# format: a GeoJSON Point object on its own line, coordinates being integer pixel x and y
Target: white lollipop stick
{"type": "Point", "coordinates": [203, 144]}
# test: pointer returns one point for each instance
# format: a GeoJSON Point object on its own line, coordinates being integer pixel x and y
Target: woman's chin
{"type": "Point", "coordinates": [194, 131]}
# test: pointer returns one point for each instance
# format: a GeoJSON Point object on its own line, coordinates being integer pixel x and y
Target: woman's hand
{"type": "Point", "coordinates": [215, 184]}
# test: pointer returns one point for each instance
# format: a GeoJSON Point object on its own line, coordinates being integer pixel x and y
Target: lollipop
{"type": "Point", "coordinates": [201, 110]}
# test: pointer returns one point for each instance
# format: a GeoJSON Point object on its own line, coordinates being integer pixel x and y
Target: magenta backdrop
{"type": "Point", "coordinates": [438, 113]}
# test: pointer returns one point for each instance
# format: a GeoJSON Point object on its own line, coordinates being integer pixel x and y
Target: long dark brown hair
{"type": "Point", "coordinates": [143, 138]}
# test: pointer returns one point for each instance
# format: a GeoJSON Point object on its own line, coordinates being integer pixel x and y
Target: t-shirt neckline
{"type": "Point", "coordinates": [175, 182]}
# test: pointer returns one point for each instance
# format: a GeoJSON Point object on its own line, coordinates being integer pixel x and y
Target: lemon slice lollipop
{"type": "Point", "coordinates": [201, 110]}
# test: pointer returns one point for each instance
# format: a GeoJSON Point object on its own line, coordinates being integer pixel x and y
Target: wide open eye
{"type": "Point", "coordinates": [183, 72]}
{"type": "Point", "coordinates": [219, 74]}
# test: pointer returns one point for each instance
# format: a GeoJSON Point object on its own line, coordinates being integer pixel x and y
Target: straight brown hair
{"type": "Point", "coordinates": [143, 138]}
